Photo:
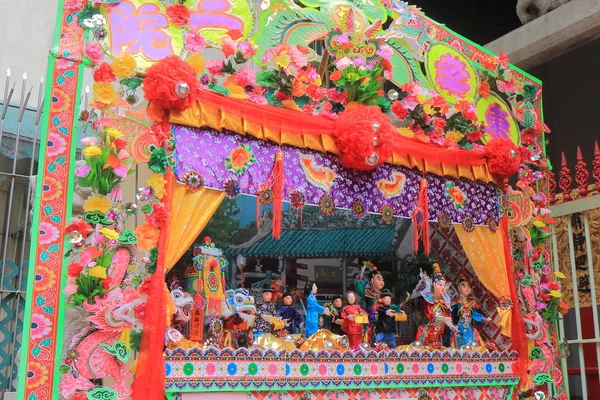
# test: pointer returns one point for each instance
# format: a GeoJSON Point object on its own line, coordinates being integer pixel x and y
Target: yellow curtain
{"type": "Point", "coordinates": [485, 250]}
{"type": "Point", "coordinates": [190, 212]}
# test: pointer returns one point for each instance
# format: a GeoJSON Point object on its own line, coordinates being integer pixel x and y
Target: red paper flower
{"type": "Point", "coordinates": [106, 283]}
{"type": "Point", "coordinates": [399, 111]}
{"type": "Point", "coordinates": [474, 136]}
{"type": "Point", "coordinates": [104, 73]}
{"type": "Point", "coordinates": [74, 269]}
{"type": "Point", "coordinates": [159, 215]}
{"type": "Point", "coordinates": [502, 157]}
{"type": "Point", "coordinates": [364, 138]}
{"type": "Point", "coordinates": [545, 296]}
{"type": "Point", "coordinates": [483, 89]}
{"type": "Point", "coordinates": [178, 14]}
{"type": "Point", "coordinates": [79, 225]}
{"type": "Point", "coordinates": [165, 82]}
{"type": "Point", "coordinates": [336, 76]}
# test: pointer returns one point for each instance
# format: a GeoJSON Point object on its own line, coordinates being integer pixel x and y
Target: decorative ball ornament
{"type": "Point", "coordinates": [329, 345]}
{"type": "Point", "coordinates": [372, 159]}
{"type": "Point", "coordinates": [392, 94]}
{"type": "Point", "coordinates": [416, 344]}
{"type": "Point", "coordinates": [535, 157]}
{"type": "Point", "coordinates": [539, 395]}
{"type": "Point", "coordinates": [513, 153]}
{"type": "Point", "coordinates": [241, 261]}
{"type": "Point", "coordinates": [182, 89]}
{"type": "Point", "coordinates": [364, 346]}
{"type": "Point", "coordinates": [473, 344]}
{"type": "Point", "coordinates": [364, 138]}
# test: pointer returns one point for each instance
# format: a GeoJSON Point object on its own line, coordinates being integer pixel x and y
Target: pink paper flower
{"type": "Point", "coordinates": [120, 171]}
{"type": "Point", "coordinates": [214, 67]}
{"type": "Point", "coordinates": [228, 47]}
{"type": "Point", "coordinates": [385, 51]}
{"type": "Point", "coordinates": [246, 77]}
{"type": "Point", "coordinates": [82, 172]}
{"type": "Point", "coordinates": [89, 140]}
{"type": "Point", "coordinates": [343, 63]}
{"type": "Point", "coordinates": [195, 42]}
{"type": "Point", "coordinates": [94, 52]}
{"type": "Point", "coordinates": [246, 49]}
{"type": "Point", "coordinates": [71, 287]}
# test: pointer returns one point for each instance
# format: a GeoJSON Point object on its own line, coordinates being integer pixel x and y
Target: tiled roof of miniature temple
{"type": "Point", "coordinates": [323, 243]}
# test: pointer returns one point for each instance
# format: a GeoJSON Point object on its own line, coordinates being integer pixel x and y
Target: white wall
{"type": "Point", "coordinates": [26, 32]}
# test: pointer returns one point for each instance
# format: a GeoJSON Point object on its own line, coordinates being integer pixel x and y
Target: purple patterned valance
{"type": "Point", "coordinates": [219, 157]}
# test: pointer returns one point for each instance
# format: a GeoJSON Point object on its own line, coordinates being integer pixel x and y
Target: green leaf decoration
{"type": "Point", "coordinates": [135, 338]}
{"type": "Point", "coordinates": [39, 300]}
{"type": "Point", "coordinates": [542, 379]}
{"type": "Point", "coordinates": [158, 161]}
{"type": "Point", "coordinates": [536, 353]}
{"type": "Point", "coordinates": [96, 217]}
{"type": "Point", "coordinates": [118, 349]}
{"type": "Point", "coordinates": [88, 12]}
{"type": "Point", "coordinates": [132, 83]}
{"type": "Point", "coordinates": [266, 78]}
{"type": "Point", "coordinates": [526, 281]}
{"type": "Point", "coordinates": [529, 91]}
{"type": "Point", "coordinates": [128, 237]}
{"type": "Point", "coordinates": [102, 393]}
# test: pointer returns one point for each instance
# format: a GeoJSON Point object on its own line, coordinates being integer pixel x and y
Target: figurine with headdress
{"type": "Point", "coordinates": [465, 310]}
{"type": "Point", "coordinates": [354, 319]}
{"type": "Point", "coordinates": [369, 287]}
{"type": "Point", "coordinates": [289, 314]}
{"type": "Point", "coordinates": [436, 308]}
{"type": "Point", "coordinates": [265, 312]}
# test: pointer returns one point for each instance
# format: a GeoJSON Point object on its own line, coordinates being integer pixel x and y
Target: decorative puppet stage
{"type": "Point", "coordinates": [371, 108]}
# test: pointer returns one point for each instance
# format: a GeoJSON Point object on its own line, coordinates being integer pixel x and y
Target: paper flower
{"type": "Point", "coordinates": [124, 66]}
{"type": "Point", "coordinates": [104, 73]}
{"type": "Point", "coordinates": [194, 42]}
{"type": "Point", "coordinates": [97, 203]}
{"type": "Point", "coordinates": [157, 183]}
{"type": "Point", "coordinates": [104, 92]}
{"type": "Point", "coordinates": [110, 233]}
{"type": "Point", "coordinates": [178, 14]}
{"type": "Point", "coordinates": [147, 237]}
{"type": "Point", "coordinates": [196, 61]}
{"type": "Point", "coordinates": [97, 272]}
{"type": "Point", "coordinates": [93, 51]}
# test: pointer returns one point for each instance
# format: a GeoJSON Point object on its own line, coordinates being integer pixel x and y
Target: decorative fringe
{"type": "Point", "coordinates": [420, 220]}
{"type": "Point", "coordinates": [277, 194]}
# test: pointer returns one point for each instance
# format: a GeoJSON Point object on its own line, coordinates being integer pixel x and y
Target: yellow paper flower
{"type": "Point", "coordinates": [283, 61]}
{"type": "Point", "coordinates": [113, 133]}
{"type": "Point", "coordinates": [559, 275]}
{"type": "Point", "coordinates": [124, 66]}
{"type": "Point", "coordinates": [406, 132]}
{"type": "Point", "coordinates": [428, 109]}
{"type": "Point", "coordinates": [97, 272]}
{"type": "Point", "coordinates": [235, 91]}
{"type": "Point", "coordinates": [196, 61]}
{"type": "Point", "coordinates": [157, 182]}
{"type": "Point", "coordinates": [421, 98]}
{"type": "Point", "coordinates": [555, 293]}
{"type": "Point", "coordinates": [92, 151]}
{"type": "Point", "coordinates": [110, 233]}
{"type": "Point", "coordinates": [104, 92]}
{"type": "Point", "coordinates": [539, 224]}
{"type": "Point", "coordinates": [454, 136]}
{"type": "Point", "coordinates": [97, 203]}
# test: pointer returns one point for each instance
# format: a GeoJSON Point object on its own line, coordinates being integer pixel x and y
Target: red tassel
{"type": "Point", "coordinates": [277, 194]}
{"type": "Point", "coordinates": [420, 220]}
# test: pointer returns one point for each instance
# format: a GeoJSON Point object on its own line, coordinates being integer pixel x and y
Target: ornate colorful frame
{"type": "Point", "coordinates": [38, 372]}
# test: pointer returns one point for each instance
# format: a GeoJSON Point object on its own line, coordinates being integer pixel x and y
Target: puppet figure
{"type": "Point", "coordinates": [464, 311]}
{"type": "Point", "coordinates": [385, 326]}
{"type": "Point", "coordinates": [371, 289]}
{"type": "Point", "coordinates": [313, 309]}
{"type": "Point", "coordinates": [436, 309]}
{"type": "Point", "coordinates": [335, 325]}
{"type": "Point", "coordinates": [265, 311]}
{"type": "Point", "coordinates": [351, 313]}
{"type": "Point", "coordinates": [291, 316]}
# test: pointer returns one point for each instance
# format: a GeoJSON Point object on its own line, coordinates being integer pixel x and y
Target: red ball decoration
{"type": "Point", "coordinates": [364, 137]}
{"type": "Point", "coordinates": [503, 157]}
{"type": "Point", "coordinates": [171, 84]}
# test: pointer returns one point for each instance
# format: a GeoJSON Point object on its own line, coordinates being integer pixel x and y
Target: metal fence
{"type": "Point", "coordinates": [19, 147]}
{"type": "Point", "coordinates": [576, 253]}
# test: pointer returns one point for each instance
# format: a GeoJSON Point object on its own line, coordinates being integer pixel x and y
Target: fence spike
{"type": "Point", "coordinates": [581, 174]}
{"type": "Point", "coordinates": [565, 180]}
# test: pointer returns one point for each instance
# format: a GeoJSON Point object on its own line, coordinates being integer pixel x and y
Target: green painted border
{"type": "Point", "coordinates": [512, 384]}
{"type": "Point", "coordinates": [25, 340]}
{"type": "Point", "coordinates": [483, 49]}
{"type": "Point", "coordinates": [69, 210]}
